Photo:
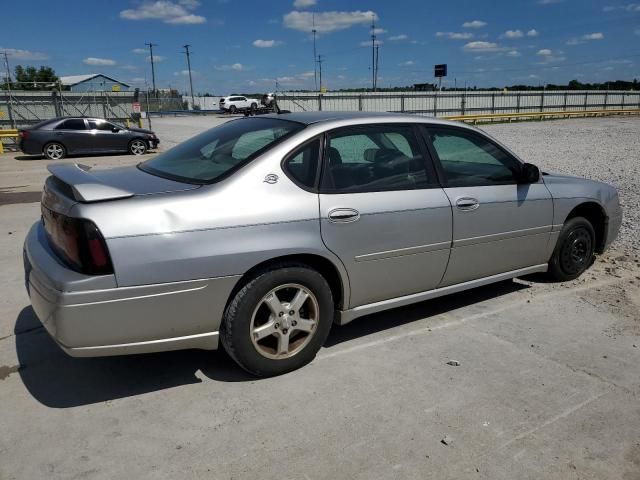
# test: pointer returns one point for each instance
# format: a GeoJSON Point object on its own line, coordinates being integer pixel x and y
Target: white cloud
{"type": "Point", "coordinates": [156, 58]}
{"type": "Point", "coordinates": [167, 11]}
{"type": "Point", "coordinates": [367, 43]}
{"type": "Point", "coordinates": [637, 31]}
{"type": "Point", "coordinates": [629, 7]}
{"type": "Point", "coordinates": [532, 33]}
{"type": "Point", "coordinates": [266, 43]}
{"type": "Point", "coordinates": [408, 63]}
{"type": "Point", "coordinates": [397, 38]}
{"type": "Point", "coordinates": [474, 24]}
{"type": "Point", "coordinates": [513, 53]}
{"type": "Point", "coordinates": [238, 67]}
{"type": "Point", "coordinates": [455, 35]}
{"type": "Point", "coordinates": [326, 22]}
{"type": "Point", "coordinates": [550, 56]}
{"type": "Point", "coordinates": [482, 47]}
{"type": "Point", "coordinates": [379, 31]}
{"type": "Point", "coordinates": [585, 38]}
{"type": "Point", "coordinates": [513, 34]}
{"type": "Point", "coordinates": [304, 3]}
{"type": "Point", "coordinates": [549, 2]}
{"type": "Point", "coordinates": [185, 73]}
{"type": "Point", "coordinates": [139, 50]}
{"type": "Point", "coordinates": [130, 68]}
{"type": "Point", "coordinates": [102, 62]}
{"type": "Point", "coordinates": [20, 54]}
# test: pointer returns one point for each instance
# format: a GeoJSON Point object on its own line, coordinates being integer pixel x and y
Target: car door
{"type": "Point", "coordinates": [499, 224]}
{"type": "Point", "coordinates": [383, 213]}
{"type": "Point", "coordinates": [73, 134]}
{"type": "Point", "coordinates": [106, 136]}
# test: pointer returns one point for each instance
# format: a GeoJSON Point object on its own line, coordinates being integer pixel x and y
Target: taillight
{"type": "Point", "coordinates": [23, 134]}
{"type": "Point", "coordinates": [78, 242]}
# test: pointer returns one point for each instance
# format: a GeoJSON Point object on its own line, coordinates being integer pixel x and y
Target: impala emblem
{"type": "Point", "coordinates": [271, 178]}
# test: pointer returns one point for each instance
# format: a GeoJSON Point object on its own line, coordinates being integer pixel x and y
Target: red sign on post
{"type": "Point", "coordinates": [136, 107]}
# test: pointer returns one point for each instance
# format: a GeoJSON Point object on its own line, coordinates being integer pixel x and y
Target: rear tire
{"type": "Point", "coordinates": [137, 147]}
{"type": "Point", "coordinates": [278, 320]}
{"type": "Point", "coordinates": [233, 109]}
{"type": "Point", "coordinates": [575, 250]}
{"type": "Point", "coordinates": [54, 151]}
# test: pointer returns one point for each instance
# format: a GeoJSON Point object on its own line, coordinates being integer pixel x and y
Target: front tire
{"type": "Point", "coordinates": [137, 147]}
{"type": "Point", "coordinates": [278, 321]}
{"type": "Point", "coordinates": [575, 250]}
{"type": "Point", "coordinates": [54, 151]}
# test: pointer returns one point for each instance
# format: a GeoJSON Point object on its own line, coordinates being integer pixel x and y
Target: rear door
{"type": "Point", "coordinates": [383, 213]}
{"type": "Point", "coordinates": [73, 134]}
{"type": "Point", "coordinates": [499, 225]}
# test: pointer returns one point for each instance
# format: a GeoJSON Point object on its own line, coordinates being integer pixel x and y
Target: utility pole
{"type": "Point", "coordinates": [320, 60]}
{"type": "Point", "coordinates": [153, 68]}
{"type": "Point", "coordinates": [373, 52]}
{"type": "Point", "coordinates": [186, 50]}
{"type": "Point", "coordinates": [6, 64]}
{"type": "Point", "coordinates": [314, 32]}
{"type": "Point", "coordinates": [375, 83]}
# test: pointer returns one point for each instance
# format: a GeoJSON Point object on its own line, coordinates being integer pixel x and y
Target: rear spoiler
{"type": "Point", "coordinates": [86, 187]}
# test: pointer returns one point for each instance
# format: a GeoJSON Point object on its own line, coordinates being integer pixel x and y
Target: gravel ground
{"type": "Point", "coordinates": [604, 149]}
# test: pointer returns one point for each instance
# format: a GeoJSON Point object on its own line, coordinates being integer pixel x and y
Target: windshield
{"type": "Point", "coordinates": [215, 153]}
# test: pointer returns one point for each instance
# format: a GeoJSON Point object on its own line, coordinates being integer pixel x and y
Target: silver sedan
{"type": "Point", "coordinates": [264, 232]}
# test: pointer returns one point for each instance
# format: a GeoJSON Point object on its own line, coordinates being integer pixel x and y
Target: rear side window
{"type": "Point", "coordinates": [72, 124]}
{"type": "Point", "coordinates": [302, 164]}
{"type": "Point", "coordinates": [375, 158]}
{"type": "Point", "coordinates": [215, 153]}
{"type": "Point", "coordinates": [468, 159]}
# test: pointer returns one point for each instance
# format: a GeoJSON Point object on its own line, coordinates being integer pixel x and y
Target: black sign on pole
{"type": "Point", "coordinates": [440, 70]}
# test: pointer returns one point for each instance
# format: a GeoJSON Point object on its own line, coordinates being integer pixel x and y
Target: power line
{"type": "Point", "coordinates": [186, 51]}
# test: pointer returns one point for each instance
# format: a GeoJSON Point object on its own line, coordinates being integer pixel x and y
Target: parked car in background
{"type": "Point", "coordinates": [59, 137]}
{"type": "Point", "coordinates": [265, 231]}
{"type": "Point", "coordinates": [238, 103]}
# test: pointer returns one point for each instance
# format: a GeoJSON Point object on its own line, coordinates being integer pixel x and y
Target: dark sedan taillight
{"type": "Point", "coordinates": [23, 134]}
{"type": "Point", "coordinates": [78, 242]}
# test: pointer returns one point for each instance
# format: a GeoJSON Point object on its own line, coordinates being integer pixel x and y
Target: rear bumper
{"type": "Point", "coordinates": [108, 320]}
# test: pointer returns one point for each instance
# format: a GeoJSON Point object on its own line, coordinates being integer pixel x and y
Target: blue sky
{"type": "Point", "coordinates": [244, 46]}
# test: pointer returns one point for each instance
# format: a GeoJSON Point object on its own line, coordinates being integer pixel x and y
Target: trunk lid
{"type": "Point", "coordinates": [81, 184]}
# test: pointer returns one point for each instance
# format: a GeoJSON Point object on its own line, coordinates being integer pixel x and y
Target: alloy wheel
{"type": "Point", "coordinates": [138, 147]}
{"type": "Point", "coordinates": [284, 321]}
{"type": "Point", "coordinates": [54, 151]}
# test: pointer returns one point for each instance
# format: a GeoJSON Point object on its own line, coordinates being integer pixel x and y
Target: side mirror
{"type": "Point", "coordinates": [529, 173]}
{"type": "Point", "coordinates": [115, 129]}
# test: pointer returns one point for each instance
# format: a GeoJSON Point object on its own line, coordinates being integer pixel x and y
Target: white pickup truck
{"type": "Point", "coordinates": [236, 103]}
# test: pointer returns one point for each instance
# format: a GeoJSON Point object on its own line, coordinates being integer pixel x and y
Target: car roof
{"type": "Point", "coordinates": [309, 118]}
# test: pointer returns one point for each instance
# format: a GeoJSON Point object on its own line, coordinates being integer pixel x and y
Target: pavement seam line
{"type": "Point", "coordinates": [427, 329]}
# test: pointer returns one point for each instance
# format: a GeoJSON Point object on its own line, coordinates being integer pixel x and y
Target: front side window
{"type": "Point", "coordinates": [469, 160]}
{"type": "Point", "coordinates": [72, 124]}
{"type": "Point", "coordinates": [375, 158]}
{"type": "Point", "coordinates": [302, 164]}
{"type": "Point", "coordinates": [213, 154]}
{"type": "Point", "coordinates": [101, 125]}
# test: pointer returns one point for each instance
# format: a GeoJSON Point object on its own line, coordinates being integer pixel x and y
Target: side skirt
{"type": "Point", "coordinates": [346, 316]}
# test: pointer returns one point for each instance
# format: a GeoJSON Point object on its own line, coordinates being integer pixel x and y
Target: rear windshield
{"type": "Point", "coordinates": [216, 153]}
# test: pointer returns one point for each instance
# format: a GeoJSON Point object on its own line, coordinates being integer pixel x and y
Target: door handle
{"type": "Point", "coordinates": [467, 203]}
{"type": "Point", "coordinates": [344, 215]}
